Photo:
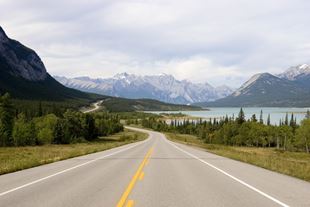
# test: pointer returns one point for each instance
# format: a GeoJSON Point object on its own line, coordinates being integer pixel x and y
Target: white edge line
{"type": "Point", "coordinates": [231, 176]}
{"type": "Point", "coordinates": [69, 169]}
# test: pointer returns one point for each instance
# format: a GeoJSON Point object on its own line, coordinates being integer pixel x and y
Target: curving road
{"type": "Point", "coordinates": [95, 107]}
{"type": "Point", "coordinates": [155, 172]}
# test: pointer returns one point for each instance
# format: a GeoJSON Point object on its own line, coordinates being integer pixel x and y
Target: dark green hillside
{"type": "Point", "coordinates": [23, 76]}
{"type": "Point", "coordinates": [127, 105]}
{"type": "Point", "coordinates": [48, 90]}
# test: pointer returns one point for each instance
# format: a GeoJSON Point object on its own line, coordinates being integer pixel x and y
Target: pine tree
{"type": "Point", "coordinates": [90, 128]}
{"type": "Point", "coordinates": [226, 119]}
{"type": "Point", "coordinates": [268, 120]}
{"type": "Point", "coordinates": [292, 121]}
{"type": "Point", "coordinates": [261, 120]}
{"type": "Point", "coordinates": [253, 119]}
{"type": "Point", "coordinates": [7, 114]}
{"type": "Point", "coordinates": [286, 119]}
{"type": "Point", "coordinates": [40, 111]}
{"type": "Point", "coordinates": [214, 122]}
{"type": "Point", "coordinates": [241, 117]}
{"type": "Point", "coordinates": [59, 132]}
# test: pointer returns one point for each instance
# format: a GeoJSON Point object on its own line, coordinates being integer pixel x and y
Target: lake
{"type": "Point", "coordinates": [275, 113]}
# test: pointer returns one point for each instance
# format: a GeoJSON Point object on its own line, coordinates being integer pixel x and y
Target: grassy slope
{"type": "Point", "coordinates": [294, 164]}
{"type": "Point", "coordinates": [19, 158]}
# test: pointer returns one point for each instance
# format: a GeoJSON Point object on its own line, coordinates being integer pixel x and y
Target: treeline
{"type": "Point", "coordinates": [20, 129]}
{"type": "Point", "coordinates": [241, 132]}
{"type": "Point", "coordinates": [34, 108]}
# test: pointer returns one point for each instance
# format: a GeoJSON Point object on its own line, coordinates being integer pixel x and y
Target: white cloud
{"type": "Point", "coordinates": [216, 41]}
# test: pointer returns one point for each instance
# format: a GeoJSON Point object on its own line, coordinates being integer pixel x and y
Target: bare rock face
{"type": "Point", "coordinates": [161, 87]}
{"type": "Point", "coordinates": [3, 37]}
{"type": "Point", "coordinates": [22, 61]}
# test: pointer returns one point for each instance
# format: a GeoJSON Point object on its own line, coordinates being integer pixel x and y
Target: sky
{"type": "Point", "coordinates": [214, 41]}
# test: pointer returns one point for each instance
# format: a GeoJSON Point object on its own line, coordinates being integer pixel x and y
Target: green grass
{"type": "Point", "coordinates": [18, 158]}
{"type": "Point", "coordinates": [296, 164]}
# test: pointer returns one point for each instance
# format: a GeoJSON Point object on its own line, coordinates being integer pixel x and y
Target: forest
{"type": "Point", "coordinates": [237, 131]}
{"type": "Point", "coordinates": [38, 123]}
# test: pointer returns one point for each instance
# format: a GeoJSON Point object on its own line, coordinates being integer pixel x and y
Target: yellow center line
{"type": "Point", "coordinates": [130, 203]}
{"type": "Point", "coordinates": [141, 176]}
{"type": "Point", "coordinates": [133, 181]}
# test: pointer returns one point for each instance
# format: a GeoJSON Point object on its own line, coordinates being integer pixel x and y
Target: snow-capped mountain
{"type": "Point", "coordinates": [290, 88]}
{"type": "Point", "coordinates": [162, 87]}
{"type": "Point", "coordinates": [296, 72]}
{"type": "Point", "coordinates": [245, 87]}
{"type": "Point", "coordinates": [299, 74]}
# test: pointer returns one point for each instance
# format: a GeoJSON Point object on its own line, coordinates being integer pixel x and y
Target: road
{"type": "Point", "coordinates": [95, 107]}
{"type": "Point", "coordinates": [154, 172]}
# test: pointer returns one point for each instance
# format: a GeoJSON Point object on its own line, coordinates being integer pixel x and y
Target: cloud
{"type": "Point", "coordinates": [216, 41]}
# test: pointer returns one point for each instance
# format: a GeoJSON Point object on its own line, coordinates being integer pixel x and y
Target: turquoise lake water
{"type": "Point", "coordinates": [275, 113]}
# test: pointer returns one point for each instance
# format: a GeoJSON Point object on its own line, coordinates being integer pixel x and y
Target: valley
{"type": "Point", "coordinates": [94, 135]}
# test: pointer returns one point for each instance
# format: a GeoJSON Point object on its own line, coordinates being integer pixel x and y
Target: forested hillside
{"type": "Point", "coordinates": [113, 104]}
{"type": "Point", "coordinates": [39, 128]}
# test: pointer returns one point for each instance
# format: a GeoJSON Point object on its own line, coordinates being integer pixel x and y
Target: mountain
{"type": "Point", "coordinates": [160, 87]}
{"type": "Point", "coordinates": [24, 76]}
{"type": "Point", "coordinates": [269, 90]}
{"type": "Point", "coordinates": [299, 74]}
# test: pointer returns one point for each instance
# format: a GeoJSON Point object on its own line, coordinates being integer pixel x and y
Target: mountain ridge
{"type": "Point", "coordinates": [290, 88]}
{"type": "Point", "coordinates": [23, 61]}
{"type": "Point", "coordinates": [24, 76]}
{"type": "Point", "coordinates": [163, 87]}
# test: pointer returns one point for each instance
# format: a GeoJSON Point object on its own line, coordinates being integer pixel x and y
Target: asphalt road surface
{"type": "Point", "coordinates": [155, 172]}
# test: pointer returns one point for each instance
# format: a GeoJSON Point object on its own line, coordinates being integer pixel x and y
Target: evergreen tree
{"type": "Point", "coordinates": [268, 120]}
{"type": "Point", "coordinates": [214, 122]}
{"type": "Point", "coordinates": [292, 121]}
{"type": "Point", "coordinates": [253, 119]}
{"type": "Point", "coordinates": [59, 135]}
{"type": "Point", "coordinates": [241, 117]}
{"type": "Point", "coordinates": [286, 119]}
{"type": "Point", "coordinates": [226, 119]}
{"type": "Point", "coordinates": [261, 120]}
{"type": "Point", "coordinates": [40, 110]}
{"type": "Point", "coordinates": [7, 114]}
{"type": "Point", "coordinates": [90, 128]}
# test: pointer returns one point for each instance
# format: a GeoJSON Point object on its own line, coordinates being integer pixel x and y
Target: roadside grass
{"type": "Point", "coordinates": [296, 164]}
{"type": "Point", "coordinates": [18, 158]}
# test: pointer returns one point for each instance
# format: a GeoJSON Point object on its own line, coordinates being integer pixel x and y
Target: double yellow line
{"type": "Point", "coordinates": [138, 175]}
